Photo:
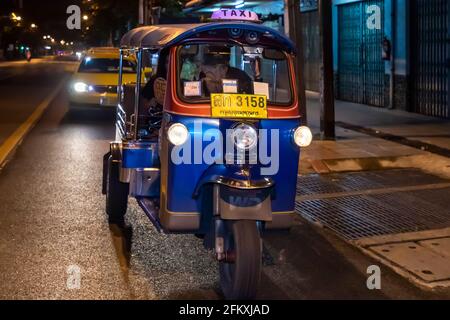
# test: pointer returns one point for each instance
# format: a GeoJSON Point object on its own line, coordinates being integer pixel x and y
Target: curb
{"type": "Point", "coordinates": [426, 161]}
{"type": "Point", "coordinates": [324, 166]}
{"type": "Point", "coordinates": [420, 145]}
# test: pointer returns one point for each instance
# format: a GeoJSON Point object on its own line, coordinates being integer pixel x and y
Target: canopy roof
{"type": "Point", "coordinates": [166, 35]}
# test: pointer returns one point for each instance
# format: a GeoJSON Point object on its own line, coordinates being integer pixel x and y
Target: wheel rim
{"type": "Point", "coordinates": [228, 268]}
{"type": "Point", "coordinates": [239, 280]}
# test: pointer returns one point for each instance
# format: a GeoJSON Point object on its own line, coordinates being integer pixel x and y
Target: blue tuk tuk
{"type": "Point", "coordinates": [210, 145]}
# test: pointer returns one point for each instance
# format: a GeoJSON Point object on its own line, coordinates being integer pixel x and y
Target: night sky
{"type": "Point", "coordinates": [50, 16]}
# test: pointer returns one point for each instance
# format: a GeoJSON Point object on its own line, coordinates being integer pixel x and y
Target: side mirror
{"type": "Point", "coordinates": [273, 54]}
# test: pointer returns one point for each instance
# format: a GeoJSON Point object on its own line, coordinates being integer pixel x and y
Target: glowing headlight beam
{"type": "Point", "coordinates": [303, 137]}
{"type": "Point", "coordinates": [80, 87]}
{"type": "Point", "coordinates": [178, 134]}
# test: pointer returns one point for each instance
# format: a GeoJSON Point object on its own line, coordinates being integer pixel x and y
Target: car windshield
{"type": "Point", "coordinates": [205, 69]}
{"type": "Point", "coordinates": [104, 65]}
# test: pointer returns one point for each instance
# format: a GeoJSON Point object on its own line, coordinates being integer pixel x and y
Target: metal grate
{"type": "Point", "coordinates": [316, 184]}
{"type": "Point", "coordinates": [358, 216]}
{"type": "Point", "coordinates": [311, 49]}
{"type": "Point", "coordinates": [357, 181]}
{"type": "Point", "coordinates": [361, 68]}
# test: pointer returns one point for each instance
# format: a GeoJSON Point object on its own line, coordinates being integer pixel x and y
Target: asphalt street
{"type": "Point", "coordinates": [52, 219]}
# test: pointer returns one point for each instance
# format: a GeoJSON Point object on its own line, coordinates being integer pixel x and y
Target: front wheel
{"type": "Point", "coordinates": [116, 194]}
{"type": "Point", "coordinates": [240, 275]}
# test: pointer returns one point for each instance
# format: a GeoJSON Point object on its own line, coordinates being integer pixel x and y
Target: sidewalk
{"type": "Point", "coordinates": [400, 218]}
{"type": "Point", "coordinates": [414, 126]}
{"type": "Point", "coordinates": [353, 151]}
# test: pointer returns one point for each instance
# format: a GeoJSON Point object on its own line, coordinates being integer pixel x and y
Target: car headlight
{"type": "Point", "coordinates": [178, 134]}
{"type": "Point", "coordinates": [303, 137]}
{"type": "Point", "coordinates": [80, 87]}
{"type": "Point", "coordinates": [245, 137]}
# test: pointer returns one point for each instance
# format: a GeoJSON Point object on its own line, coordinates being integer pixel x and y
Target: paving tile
{"type": "Point", "coordinates": [421, 261]}
{"type": "Point", "coordinates": [440, 246]}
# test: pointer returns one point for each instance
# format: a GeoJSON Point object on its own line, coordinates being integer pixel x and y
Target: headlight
{"type": "Point", "coordinates": [178, 134]}
{"type": "Point", "coordinates": [245, 137]}
{"type": "Point", "coordinates": [303, 137]}
{"type": "Point", "coordinates": [80, 87]}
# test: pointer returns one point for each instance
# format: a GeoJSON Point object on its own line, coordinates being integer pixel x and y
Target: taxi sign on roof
{"type": "Point", "coordinates": [235, 14]}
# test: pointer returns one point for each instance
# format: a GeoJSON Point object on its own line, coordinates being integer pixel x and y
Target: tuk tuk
{"type": "Point", "coordinates": [210, 145]}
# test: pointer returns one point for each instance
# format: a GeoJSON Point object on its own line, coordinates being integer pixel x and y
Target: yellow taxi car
{"type": "Point", "coordinates": [95, 82]}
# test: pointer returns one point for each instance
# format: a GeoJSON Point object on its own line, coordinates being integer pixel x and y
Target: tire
{"type": "Point", "coordinates": [116, 194]}
{"type": "Point", "coordinates": [240, 280]}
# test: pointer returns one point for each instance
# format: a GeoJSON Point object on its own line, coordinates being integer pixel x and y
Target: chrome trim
{"type": "Point", "coordinates": [124, 175]}
{"type": "Point", "coordinates": [142, 181]}
{"type": "Point", "coordinates": [116, 151]}
{"type": "Point", "coordinates": [119, 89]}
{"type": "Point", "coordinates": [137, 97]}
{"type": "Point", "coordinates": [121, 121]}
{"type": "Point", "coordinates": [121, 130]}
{"type": "Point", "coordinates": [245, 184]}
{"type": "Point", "coordinates": [134, 145]}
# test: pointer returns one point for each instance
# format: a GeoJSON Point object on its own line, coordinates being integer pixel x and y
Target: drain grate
{"type": "Point", "coordinates": [357, 181]}
{"type": "Point", "coordinates": [316, 184]}
{"type": "Point", "coordinates": [359, 216]}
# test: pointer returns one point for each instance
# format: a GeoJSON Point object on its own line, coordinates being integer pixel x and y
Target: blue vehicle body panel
{"type": "Point", "coordinates": [185, 179]}
{"type": "Point", "coordinates": [144, 156]}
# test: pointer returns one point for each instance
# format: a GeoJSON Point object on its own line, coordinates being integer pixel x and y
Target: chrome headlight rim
{"type": "Point", "coordinates": [239, 128]}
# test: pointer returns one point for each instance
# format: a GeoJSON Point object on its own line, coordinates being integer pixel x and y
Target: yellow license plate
{"type": "Point", "coordinates": [239, 106]}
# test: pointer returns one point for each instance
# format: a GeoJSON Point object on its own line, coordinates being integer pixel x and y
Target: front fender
{"type": "Point", "coordinates": [234, 177]}
{"type": "Point", "coordinates": [240, 204]}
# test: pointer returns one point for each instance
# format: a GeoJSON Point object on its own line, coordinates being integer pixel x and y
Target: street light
{"type": "Point", "coordinates": [15, 17]}
{"type": "Point", "coordinates": [33, 26]}
{"type": "Point", "coordinates": [62, 42]}
{"type": "Point", "coordinates": [85, 17]}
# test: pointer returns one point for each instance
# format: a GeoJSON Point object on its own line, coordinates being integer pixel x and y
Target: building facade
{"type": "Point", "coordinates": [387, 53]}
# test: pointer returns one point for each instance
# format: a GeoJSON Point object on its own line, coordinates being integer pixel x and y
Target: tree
{"type": "Point", "coordinates": [107, 20]}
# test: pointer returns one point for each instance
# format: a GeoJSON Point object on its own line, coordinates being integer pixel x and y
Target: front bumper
{"type": "Point", "coordinates": [93, 98]}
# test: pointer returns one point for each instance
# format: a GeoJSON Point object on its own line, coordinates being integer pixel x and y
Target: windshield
{"type": "Point", "coordinates": [205, 69]}
{"type": "Point", "coordinates": [103, 65]}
